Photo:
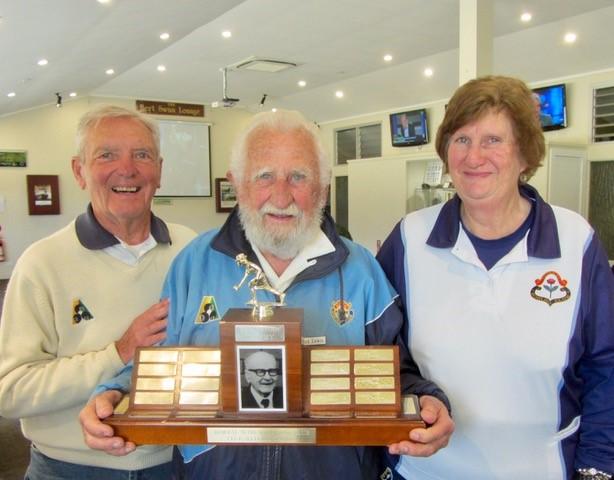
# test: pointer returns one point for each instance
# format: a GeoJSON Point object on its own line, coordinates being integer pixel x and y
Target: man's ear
{"type": "Point", "coordinates": [77, 170]}
{"type": "Point", "coordinates": [160, 172]}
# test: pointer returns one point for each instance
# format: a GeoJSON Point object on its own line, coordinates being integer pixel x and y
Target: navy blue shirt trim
{"type": "Point", "coordinates": [93, 236]}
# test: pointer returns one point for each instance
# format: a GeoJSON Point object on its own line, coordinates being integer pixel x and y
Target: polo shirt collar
{"type": "Point", "coordinates": [542, 240]}
{"type": "Point", "coordinates": [93, 236]}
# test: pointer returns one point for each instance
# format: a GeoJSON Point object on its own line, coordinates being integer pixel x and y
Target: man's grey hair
{"type": "Point", "coordinates": [91, 119]}
{"type": "Point", "coordinates": [279, 121]}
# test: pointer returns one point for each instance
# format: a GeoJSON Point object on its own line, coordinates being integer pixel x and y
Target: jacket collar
{"type": "Point", "coordinates": [231, 241]}
{"type": "Point", "coordinates": [543, 238]}
{"type": "Point", "coordinates": [93, 236]}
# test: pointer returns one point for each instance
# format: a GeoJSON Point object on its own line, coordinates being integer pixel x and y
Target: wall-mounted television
{"type": "Point", "coordinates": [552, 106]}
{"type": "Point", "coordinates": [409, 128]}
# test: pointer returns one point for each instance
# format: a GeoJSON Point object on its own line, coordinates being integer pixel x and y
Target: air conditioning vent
{"type": "Point", "coordinates": [263, 65]}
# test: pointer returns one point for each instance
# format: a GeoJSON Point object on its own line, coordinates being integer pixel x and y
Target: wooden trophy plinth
{"type": "Point", "coordinates": [324, 395]}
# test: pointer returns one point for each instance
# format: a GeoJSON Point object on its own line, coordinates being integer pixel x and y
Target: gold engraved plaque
{"type": "Point", "coordinates": [198, 398]}
{"type": "Point", "coordinates": [375, 398]}
{"type": "Point", "coordinates": [158, 383]}
{"type": "Point", "coordinates": [202, 356]}
{"type": "Point", "coordinates": [196, 383]}
{"type": "Point", "coordinates": [330, 368]}
{"type": "Point", "coordinates": [153, 398]}
{"type": "Point", "coordinates": [330, 355]}
{"type": "Point", "coordinates": [158, 356]}
{"type": "Point", "coordinates": [409, 404]}
{"type": "Point", "coordinates": [374, 355]}
{"type": "Point", "coordinates": [200, 370]}
{"type": "Point", "coordinates": [260, 333]}
{"type": "Point", "coordinates": [157, 369]}
{"type": "Point", "coordinates": [330, 383]}
{"type": "Point", "coordinates": [258, 435]}
{"type": "Point", "coordinates": [330, 398]}
{"type": "Point", "coordinates": [373, 369]}
{"type": "Point", "coordinates": [374, 383]}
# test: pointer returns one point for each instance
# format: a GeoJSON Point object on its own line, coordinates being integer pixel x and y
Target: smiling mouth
{"type": "Point", "coordinates": [125, 189]}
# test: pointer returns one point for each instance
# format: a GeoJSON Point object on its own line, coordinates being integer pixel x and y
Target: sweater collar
{"type": "Point", "coordinates": [94, 236]}
{"type": "Point", "coordinates": [543, 238]}
{"type": "Point", "coordinates": [231, 241]}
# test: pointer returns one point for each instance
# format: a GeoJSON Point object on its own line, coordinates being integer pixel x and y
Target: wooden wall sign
{"type": "Point", "coordinates": [170, 108]}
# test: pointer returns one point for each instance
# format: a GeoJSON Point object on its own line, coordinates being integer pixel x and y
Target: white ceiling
{"type": "Point", "coordinates": [337, 44]}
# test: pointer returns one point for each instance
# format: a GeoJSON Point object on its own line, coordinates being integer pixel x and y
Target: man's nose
{"type": "Point", "coordinates": [127, 165]}
{"type": "Point", "coordinates": [281, 195]}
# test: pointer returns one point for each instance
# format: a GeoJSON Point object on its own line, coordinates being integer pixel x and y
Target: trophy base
{"type": "Point", "coordinates": [298, 431]}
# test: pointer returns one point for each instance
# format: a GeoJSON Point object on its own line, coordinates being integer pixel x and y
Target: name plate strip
{"type": "Point", "coordinates": [260, 435]}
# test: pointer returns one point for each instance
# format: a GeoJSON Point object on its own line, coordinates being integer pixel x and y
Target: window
{"type": "Point", "coordinates": [358, 142]}
{"type": "Point", "coordinates": [603, 115]}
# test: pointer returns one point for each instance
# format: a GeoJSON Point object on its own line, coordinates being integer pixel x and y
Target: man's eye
{"type": "Point", "coordinates": [142, 155]}
{"type": "Point", "coordinates": [265, 176]}
{"type": "Point", "coordinates": [106, 155]}
{"type": "Point", "coordinates": [297, 177]}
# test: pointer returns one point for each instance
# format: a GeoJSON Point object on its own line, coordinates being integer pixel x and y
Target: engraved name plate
{"type": "Point", "coordinates": [198, 398]}
{"type": "Point", "coordinates": [153, 398]}
{"type": "Point", "coordinates": [375, 398]}
{"type": "Point", "coordinates": [301, 435]}
{"type": "Point", "coordinates": [330, 383]}
{"type": "Point", "coordinates": [374, 383]}
{"type": "Point", "coordinates": [200, 370]}
{"type": "Point", "coordinates": [330, 355]}
{"type": "Point", "coordinates": [374, 355]}
{"type": "Point", "coordinates": [196, 383]}
{"type": "Point", "coordinates": [373, 369]}
{"type": "Point", "coordinates": [331, 398]}
{"type": "Point", "coordinates": [202, 356]}
{"type": "Point", "coordinates": [260, 333]}
{"type": "Point", "coordinates": [409, 404]}
{"type": "Point", "coordinates": [157, 369]}
{"type": "Point", "coordinates": [158, 356]}
{"type": "Point", "coordinates": [162, 383]}
{"type": "Point", "coordinates": [330, 368]}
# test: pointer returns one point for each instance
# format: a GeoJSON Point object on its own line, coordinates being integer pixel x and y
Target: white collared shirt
{"type": "Point", "coordinates": [320, 245]}
{"type": "Point", "coordinates": [131, 254]}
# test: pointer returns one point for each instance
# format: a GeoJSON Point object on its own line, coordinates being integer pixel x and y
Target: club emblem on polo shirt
{"type": "Point", "coordinates": [341, 312]}
{"type": "Point", "coordinates": [551, 288]}
{"type": "Point", "coordinates": [208, 310]}
{"type": "Point", "coordinates": [80, 312]}
{"type": "Point", "coordinates": [386, 475]}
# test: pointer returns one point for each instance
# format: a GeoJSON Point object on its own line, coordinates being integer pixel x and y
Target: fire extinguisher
{"type": "Point", "coordinates": [2, 257]}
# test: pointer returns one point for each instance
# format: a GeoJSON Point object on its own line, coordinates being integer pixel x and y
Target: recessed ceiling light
{"type": "Point", "coordinates": [104, 1]}
{"type": "Point", "coordinates": [387, 57]}
{"type": "Point", "coordinates": [11, 94]}
{"type": "Point", "coordinates": [273, 109]}
{"type": "Point", "coordinates": [428, 72]}
{"type": "Point", "coordinates": [165, 36]}
{"type": "Point", "coordinates": [570, 37]}
{"type": "Point", "coordinates": [42, 62]}
{"type": "Point", "coordinates": [526, 17]}
{"type": "Point", "coordinates": [161, 68]}
{"type": "Point", "coordinates": [72, 94]}
{"type": "Point", "coordinates": [302, 83]}
{"type": "Point", "coordinates": [110, 71]}
{"type": "Point", "coordinates": [339, 94]}
{"type": "Point", "coordinates": [226, 34]}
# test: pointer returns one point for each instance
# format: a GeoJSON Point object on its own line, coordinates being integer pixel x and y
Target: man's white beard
{"type": "Point", "coordinates": [283, 242]}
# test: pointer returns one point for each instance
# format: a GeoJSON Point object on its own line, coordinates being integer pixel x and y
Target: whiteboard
{"type": "Point", "coordinates": [186, 169]}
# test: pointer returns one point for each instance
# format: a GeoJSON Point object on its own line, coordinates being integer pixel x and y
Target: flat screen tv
{"type": "Point", "coordinates": [552, 106]}
{"type": "Point", "coordinates": [409, 128]}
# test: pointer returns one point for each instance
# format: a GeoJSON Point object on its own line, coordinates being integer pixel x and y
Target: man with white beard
{"type": "Point", "coordinates": [281, 176]}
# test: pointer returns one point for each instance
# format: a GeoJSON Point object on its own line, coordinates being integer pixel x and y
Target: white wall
{"type": "Point", "coordinates": [374, 181]}
{"type": "Point", "coordinates": [47, 133]}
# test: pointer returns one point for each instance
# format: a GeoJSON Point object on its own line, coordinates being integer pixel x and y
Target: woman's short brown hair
{"type": "Point", "coordinates": [496, 94]}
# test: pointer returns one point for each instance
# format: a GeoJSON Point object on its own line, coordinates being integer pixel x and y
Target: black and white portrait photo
{"type": "Point", "coordinates": [262, 379]}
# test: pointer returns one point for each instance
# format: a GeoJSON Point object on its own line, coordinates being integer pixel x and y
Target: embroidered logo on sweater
{"type": "Point", "coordinates": [341, 312]}
{"type": "Point", "coordinates": [551, 288]}
{"type": "Point", "coordinates": [80, 312]}
{"type": "Point", "coordinates": [386, 475]}
{"type": "Point", "coordinates": [208, 310]}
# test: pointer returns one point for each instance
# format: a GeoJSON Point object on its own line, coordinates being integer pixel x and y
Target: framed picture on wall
{"type": "Point", "coordinates": [43, 194]}
{"type": "Point", "coordinates": [13, 158]}
{"type": "Point", "coordinates": [225, 195]}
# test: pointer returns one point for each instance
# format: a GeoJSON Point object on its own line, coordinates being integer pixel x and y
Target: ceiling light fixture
{"type": "Point", "coordinates": [72, 94]}
{"type": "Point", "coordinates": [570, 37]}
{"type": "Point", "coordinates": [11, 94]}
{"type": "Point", "coordinates": [42, 62]}
{"type": "Point", "coordinates": [428, 72]}
{"type": "Point", "coordinates": [58, 100]}
{"type": "Point", "coordinates": [526, 17]}
{"type": "Point", "coordinates": [387, 57]}
{"type": "Point", "coordinates": [161, 68]}
{"type": "Point", "coordinates": [273, 110]}
{"type": "Point", "coordinates": [104, 1]}
{"type": "Point", "coordinates": [165, 36]}
{"type": "Point", "coordinates": [302, 83]}
{"type": "Point", "coordinates": [339, 94]}
{"type": "Point", "coordinates": [110, 71]}
{"type": "Point", "coordinates": [226, 34]}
